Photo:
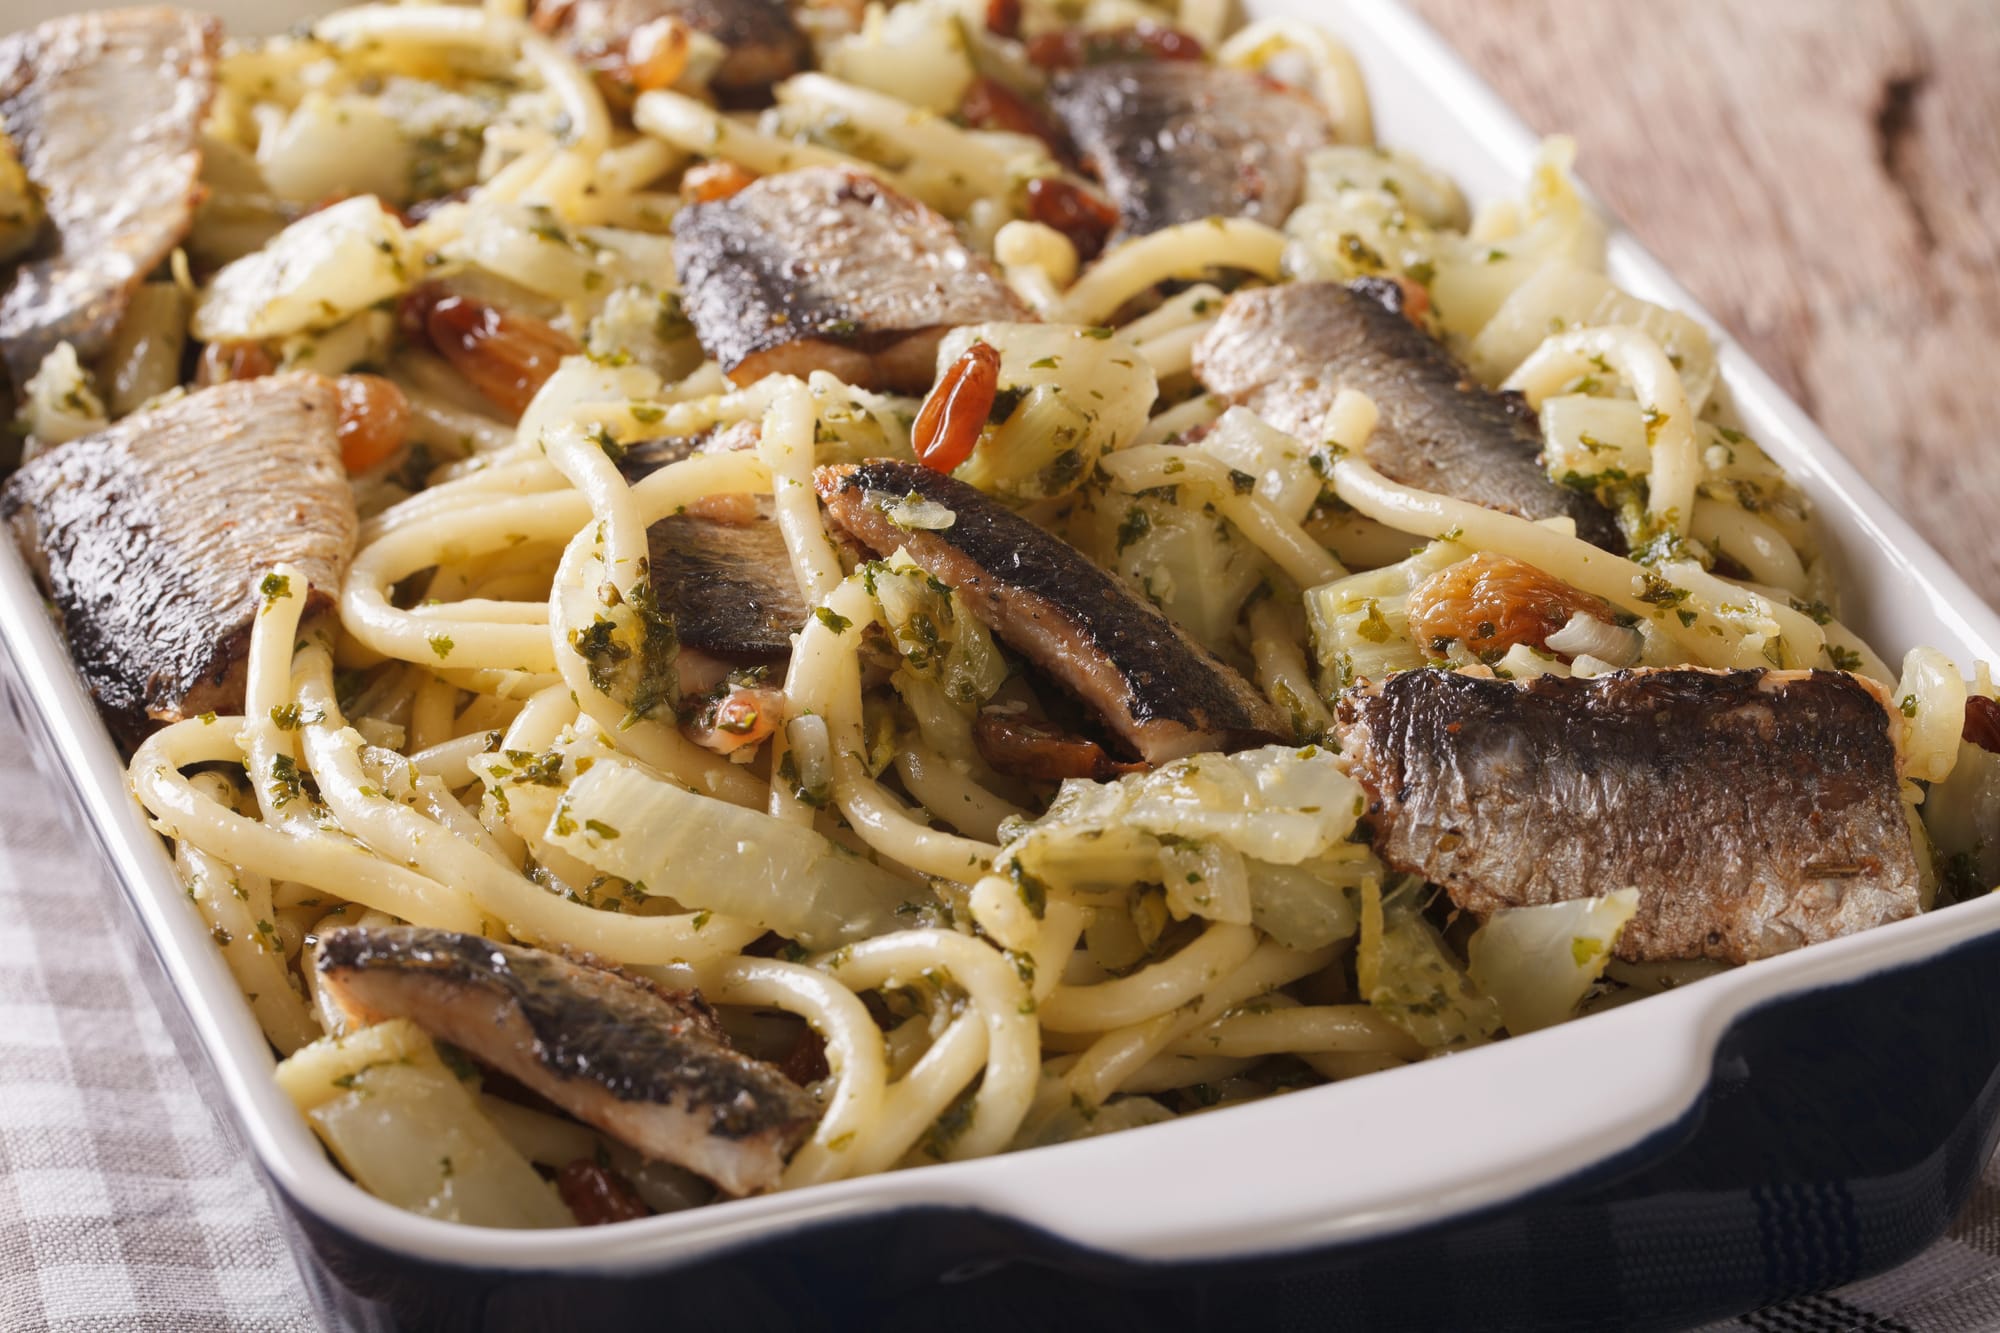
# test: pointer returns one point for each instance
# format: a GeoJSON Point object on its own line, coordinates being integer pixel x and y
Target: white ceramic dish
{"type": "Point", "coordinates": [1258, 1179]}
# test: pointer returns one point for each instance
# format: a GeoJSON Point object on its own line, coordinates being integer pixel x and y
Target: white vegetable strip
{"type": "Point", "coordinates": [774, 875]}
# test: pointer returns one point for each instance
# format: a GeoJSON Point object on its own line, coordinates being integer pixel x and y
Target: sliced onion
{"type": "Point", "coordinates": [710, 855]}
{"type": "Point", "coordinates": [1587, 636]}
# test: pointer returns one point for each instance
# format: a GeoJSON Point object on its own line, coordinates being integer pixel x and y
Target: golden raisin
{"type": "Point", "coordinates": [989, 104]}
{"type": "Point", "coordinates": [225, 361]}
{"type": "Point", "coordinates": [597, 1195]}
{"type": "Point", "coordinates": [951, 419]}
{"type": "Point", "coordinates": [1023, 747]}
{"type": "Point", "coordinates": [506, 356]}
{"type": "Point", "coordinates": [374, 420]}
{"type": "Point", "coordinates": [1982, 723]}
{"type": "Point", "coordinates": [1492, 602]}
{"type": "Point", "coordinates": [1003, 18]}
{"type": "Point", "coordinates": [1075, 212]}
{"type": "Point", "coordinates": [710, 181]}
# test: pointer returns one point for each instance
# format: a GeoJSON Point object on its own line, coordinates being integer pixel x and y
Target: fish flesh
{"type": "Point", "coordinates": [1285, 353]}
{"type": "Point", "coordinates": [1755, 811]}
{"type": "Point", "coordinates": [763, 42]}
{"type": "Point", "coordinates": [1179, 141]}
{"type": "Point", "coordinates": [649, 1066]}
{"type": "Point", "coordinates": [105, 111]}
{"type": "Point", "coordinates": [830, 269]}
{"type": "Point", "coordinates": [1156, 688]}
{"type": "Point", "coordinates": [151, 535]}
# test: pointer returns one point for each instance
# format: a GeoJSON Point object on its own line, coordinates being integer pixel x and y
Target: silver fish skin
{"type": "Point", "coordinates": [1158, 690]}
{"type": "Point", "coordinates": [149, 536]}
{"type": "Point", "coordinates": [1287, 351]}
{"type": "Point", "coordinates": [648, 1066]}
{"type": "Point", "coordinates": [1754, 811]}
{"type": "Point", "coordinates": [1180, 141]}
{"type": "Point", "coordinates": [105, 109]}
{"type": "Point", "coordinates": [830, 269]}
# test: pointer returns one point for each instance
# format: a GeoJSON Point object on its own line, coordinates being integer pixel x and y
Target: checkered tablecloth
{"type": "Point", "coordinates": [125, 1209]}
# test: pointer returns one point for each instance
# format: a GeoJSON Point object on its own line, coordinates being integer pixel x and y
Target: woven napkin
{"type": "Point", "coordinates": [124, 1207]}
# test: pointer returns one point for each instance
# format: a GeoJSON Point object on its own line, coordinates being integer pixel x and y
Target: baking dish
{"type": "Point", "coordinates": [1776, 1129]}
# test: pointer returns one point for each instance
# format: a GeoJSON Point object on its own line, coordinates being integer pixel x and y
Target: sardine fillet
{"type": "Point", "coordinates": [1754, 811]}
{"type": "Point", "coordinates": [1286, 351]}
{"type": "Point", "coordinates": [1157, 688]}
{"type": "Point", "coordinates": [830, 269]}
{"type": "Point", "coordinates": [728, 586]}
{"type": "Point", "coordinates": [1180, 141]}
{"type": "Point", "coordinates": [150, 536]}
{"type": "Point", "coordinates": [646, 1065]}
{"type": "Point", "coordinates": [106, 110]}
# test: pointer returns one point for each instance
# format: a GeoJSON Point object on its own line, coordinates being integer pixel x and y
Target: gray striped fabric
{"type": "Point", "coordinates": [124, 1208]}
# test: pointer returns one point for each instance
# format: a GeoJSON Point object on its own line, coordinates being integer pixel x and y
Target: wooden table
{"type": "Point", "coordinates": [1825, 176]}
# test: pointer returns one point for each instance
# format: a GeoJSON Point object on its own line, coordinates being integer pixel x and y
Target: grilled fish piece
{"type": "Point", "coordinates": [1157, 689]}
{"type": "Point", "coordinates": [729, 586]}
{"type": "Point", "coordinates": [1286, 351]}
{"type": "Point", "coordinates": [648, 1066]}
{"type": "Point", "coordinates": [149, 536]}
{"type": "Point", "coordinates": [765, 44]}
{"type": "Point", "coordinates": [105, 109]}
{"type": "Point", "coordinates": [1179, 141]}
{"type": "Point", "coordinates": [828, 269]}
{"type": "Point", "coordinates": [721, 569]}
{"type": "Point", "coordinates": [1754, 811]}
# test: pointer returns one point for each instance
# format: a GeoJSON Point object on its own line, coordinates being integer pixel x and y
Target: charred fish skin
{"type": "Point", "coordinates": [831, 269]}
{"type": "Point", "coordinates": [105, 109]}
{"type": "Point", "coordinates": [149, 536]}
{"type": "Point", "coordinates": [1755, 811]}
{"type": "Point", "coordinates": [1286, 352]}
{"type": "Point", "coordinates": [648, 1065]}
{"type": "Point", "coordinates": [1180, 141]}
{"type": "Point", "coordinates": [1159, 690]}
{"type": "Point", "coordinates": [728, 586]}
{"type": "Point", "coordinates": [726, 581]}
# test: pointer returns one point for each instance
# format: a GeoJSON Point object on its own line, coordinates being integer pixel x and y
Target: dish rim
{"type": "Point", "coordinates": [1107, 1194]}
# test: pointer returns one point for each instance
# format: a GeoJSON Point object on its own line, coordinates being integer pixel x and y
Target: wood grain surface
{"type": "Point", "coordinates": [1825, 176]}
